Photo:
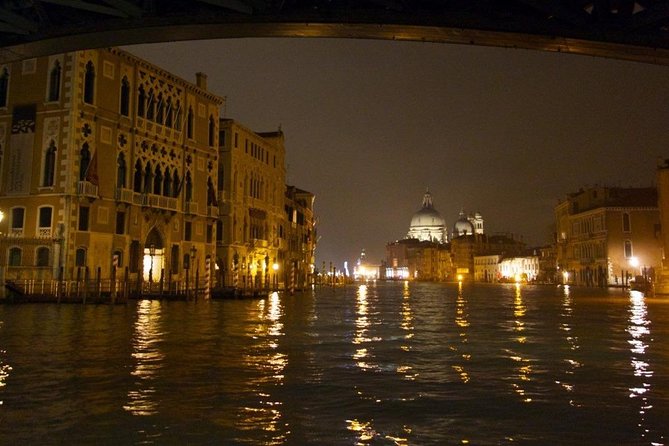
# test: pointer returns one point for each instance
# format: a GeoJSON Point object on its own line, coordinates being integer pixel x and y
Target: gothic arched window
{"type": "Point", "coordinates": [177, 116]}
{"type": "Point", "coordinates": [137, 180]}
{"type": "Point", "coordinates": [160, 117]}
{"type": "Point", "coordinates": [120, 171]}
{"type": "Point", "coordinates": [89, 83]}
{"type": "Point", "coordinates": [49, 165]}
{"type": "Point", "coordinates": [141, 102]}
{"type": "Point", "coordinates": [158, 181]}
{"type": "Point", "coordinates": [148, 178]}
{"type": "Point", "coordinates": [150, 106]}
{"type": "Point", "coordinates": [15, 256]}
{"type": "Point", "coordinates": [167, 183]}
{"type": "Point", "coordinates": [189, 188]}
{"type": "Point", "coordinates": [189, 123]}
{"type": "Point", "coordinates": [125, 96]}
{"type": "Point", "coordinates": [54, 82]}
{"type": "Point", "coordinates": [84, 161]}
{"type": "Point", "coordinates": [169, 113]}
{"type": "Point", "coordinates": [176, 184]}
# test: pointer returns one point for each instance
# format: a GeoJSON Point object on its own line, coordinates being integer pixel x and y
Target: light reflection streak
{"type": "Point", "coordinates": [639, 330]}
{"type": "Point", "coordinates": [362, 324]}
{"type": "Point", "coordinates": [270, 364]}
{"type": "Point", "coordinates": [462, 322]}
{"type": "Point", "coordinates": [366, 433]}
{"type": "Point", "coordinates": [572, 342]}
{"type": "Point", "coordinates": [523, 365]}
{"type": "Point", "coordinates": [148, 357]}
{"type": "Point", "coordinates": [407, 325]}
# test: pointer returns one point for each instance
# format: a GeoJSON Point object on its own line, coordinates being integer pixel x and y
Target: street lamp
{"type": "Point", "coordinates": [275, 267]}
{"type": "Point", "coordinates": [267, 271]}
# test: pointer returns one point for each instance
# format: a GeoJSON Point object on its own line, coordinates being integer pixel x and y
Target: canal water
{"type": "Point", "coordinates": [376, 364]}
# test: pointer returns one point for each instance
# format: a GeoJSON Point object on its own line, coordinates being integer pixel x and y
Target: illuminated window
{"type": "Point", "coordinates": [89, 83]}
{"type": "Point", "coordinates": [54, 82]}
{"type": "Point", "coordinates": [125, 97]}
{"type": "Point", "coordinates": [628, 249]}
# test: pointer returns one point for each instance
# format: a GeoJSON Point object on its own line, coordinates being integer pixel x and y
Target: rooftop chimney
{"type": "Point", "coordinates": [201, 80]}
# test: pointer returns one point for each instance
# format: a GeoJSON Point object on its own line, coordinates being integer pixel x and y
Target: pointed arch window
{"type": "Point", "coordinates": [148, 180]}
{"type": "Point", "coordinates": [125, 96]}
{"type": "Point", "coordinates": [176, 184]}
{"type": "Point", "coordinates": [54, 82]}
{"type": "Point", "coordinates": [160, 117]}
{"type": "Point", "coordinates": [49, 165]}
{"type": "Point", "coordinates": [211, 193]}
{"type": "Point", "coordinates": [150, 106]}
{"type": "Point", "coordinates": [167, 183]}
{"type": "Point", "coordinates": [120, 171]}
{"type": "Point", "coordinates": [80, 257]}
{"type": "Point", "coordinates": [212, 130]}
{"type": "Point", "coordinates": [141, 102]}
{"type": "Point", "coordinates": [177, 116]}
{"type": "Point", "coordinates": [4, 86]}
{"type": "Point", "coordinates": [189, 188]}
{"type": "Point", "coordinates": [89, 83]}
{"type": "Point", "coordinates": [137, 180]}
{"type": "Point", "coordinates": [158, 181]}
{"type": "Point", "coordinates": [169, 112]}
{"type": "Point", "coordinates": [189, 123]}
{"type": "Point", "coordinates": [84, 161]}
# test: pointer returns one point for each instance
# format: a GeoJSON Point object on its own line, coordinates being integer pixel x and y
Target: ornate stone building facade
{"type": "Point", "coordinates": [106, 159]}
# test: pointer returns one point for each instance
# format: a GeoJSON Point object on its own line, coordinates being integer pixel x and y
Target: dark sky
{"type": "Point", "coordinates": [370, 125]}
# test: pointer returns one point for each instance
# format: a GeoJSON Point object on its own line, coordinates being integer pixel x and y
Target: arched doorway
{"type": "Point", "coordinates": [154, 256]}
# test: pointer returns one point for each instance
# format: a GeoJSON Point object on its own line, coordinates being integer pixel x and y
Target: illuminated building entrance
{"type": "Point", "coordinates": [154, 257]}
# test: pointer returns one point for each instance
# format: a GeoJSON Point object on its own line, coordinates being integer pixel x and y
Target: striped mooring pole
{"type": "Point", "coordinates": [207, 277]}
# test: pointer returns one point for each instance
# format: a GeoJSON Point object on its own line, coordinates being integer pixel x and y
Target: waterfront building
{"type": "Point", "coordinates": [606, 235]}
{"type": "Point", "coordinates": [465, 248]}
{"type": "Point", "coordinates": [252, 226]}
{"type": "Point", "coordinates": [106, 160]}
{"type": "Point", "coordinates": [468, 224]}
{"type": "Point", "coordinates": [298, 261]}
{"type": "Point", "coordinates": [486, 268]}
{"type": "Point", "coordinates": [418, 260]}
{"type": "Point", "coordinates": [427, 223]}
{"type": "Point", "coordinates": [363, 270]}
{"type": "Point", "coordinates": [662, 175]}
{"type": "Point", "coordinates": [519, 269]}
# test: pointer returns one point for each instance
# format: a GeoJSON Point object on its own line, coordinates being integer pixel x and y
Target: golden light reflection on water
{"type": "Point", "coordinates": [461, 320]}
{"type": "Point", "coordinates": [572, 342]}
{"type": "Point", "coordinates": [269, 364]}
{"type": "Point", "coordinates": [523, 365]}
{"type": "Point", "coordinates": [639, 330]}
{"type": "Point", "coordinates": [366, 433]}
{"type": "Point", "coordinates": [407, 325]}
{"type": "Point", "coordinates": [362, 324]}
{"type": "Point", "coordinates": [148, 358]}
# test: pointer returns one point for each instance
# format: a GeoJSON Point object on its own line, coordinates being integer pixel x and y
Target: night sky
{"type": "Point", "coordinates": [369, 125]}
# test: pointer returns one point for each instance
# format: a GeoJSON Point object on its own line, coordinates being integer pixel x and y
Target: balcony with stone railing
{"type": "Point", "coordinates": [124, 195]}
{"type": "Point", "coordinates": [190, 207]}
{"type": "Point", "coordinates": [87, 189]}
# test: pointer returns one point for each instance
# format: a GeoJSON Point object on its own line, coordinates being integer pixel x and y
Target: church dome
{"type": "Point", "coordinates": [427, 223]}
{"type": "Point", "coordinates": [463, 226]}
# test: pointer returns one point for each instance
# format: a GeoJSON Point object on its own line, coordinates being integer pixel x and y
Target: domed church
{"type": "Point", "coordinates": [427, 224]}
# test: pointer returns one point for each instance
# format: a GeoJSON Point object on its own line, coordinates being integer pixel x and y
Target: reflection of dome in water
{"type": "Point", "coordinates": [427, 224]}
{"type": "Point", "coordinates": [463, 226]}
